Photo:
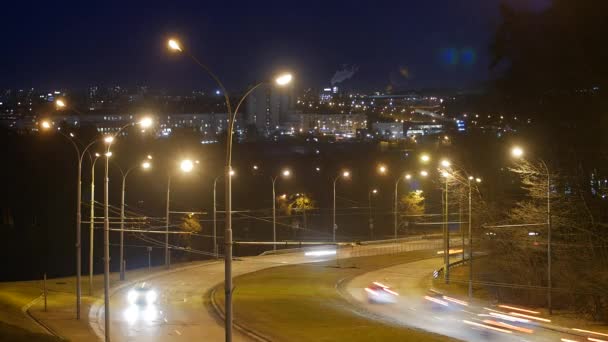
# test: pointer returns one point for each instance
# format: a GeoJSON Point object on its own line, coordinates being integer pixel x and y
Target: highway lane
{"type": "Point", "coordinates": [413, 310]}
{"type": "Point", "coordinates": [180, 313]}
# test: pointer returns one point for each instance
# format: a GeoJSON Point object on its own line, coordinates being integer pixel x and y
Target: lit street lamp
{"type": "Point", "coordinates": [371, 218]}
{"type": "Point", "coordinates": [144, 166]}
{"type": "Point", "coordinates": [92, 224]}
{"type": "Point", "coordinates": [478, 180]}
{"type": "Point", "coordinates": [345, 175]}
{"type": "Point", "coordinates": [518, 152]}
{"type": "Point", "coordinates": [186, 166]}
{"type": "Point", "coordinates": [285, 173]}
{"type": "Point", "coordinates": [46, 125]}
{"type": "Point", "coordinates": [281, 80]}
{"type": "Point", "coordinates": [215, 249]}
{"type": "Point", "coordinates": [108, 140]}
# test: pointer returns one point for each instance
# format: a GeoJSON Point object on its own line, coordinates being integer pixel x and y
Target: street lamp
{"type": "Point", "coordinates": [215, 249]}
{"type": "Point", "coordinates": [345, 175]}
{"type": "Point", "coordinates": [281, 80]}
{"type": "Point", "coordinates": [46, 125]}
{"type": "Point", "coordinates": [108, 140]}
{"type": "Point", "coordinates": [518, 153]}
{"type": "Point", "coordinates": [478, 180]}
{"type": "Point", "coordinates": [92, 224]}
{"type": "Point", "coordinates": [185, 166]}
{"type": "Point", "coordinates": [371, 218]}
{"type": "Point", "coordinates": [145, 165]}
{"type": "Point", "coordinates": [285, 173]}
{"type": "Point", "coordinates": [424, 173]}
{"type": "Point", "coordinates": [445, 163]}
{"type": "Point", "coordinates": [425, 158]}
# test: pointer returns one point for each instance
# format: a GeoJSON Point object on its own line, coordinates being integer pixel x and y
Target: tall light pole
{"type": "Point", "coordinates": [46, 125]}
{"type": "Point", "coordinates": [281, 80]}
{"type": "Point", "coordinates": [285, 173]}
{"type": "Point", "coordinates": [108, 140]}
{"type": "Point", "coordinates": [215, 249]}
{"type": "Point", "coordinates": [185, 166]}
{"type": "Point", "coordinates": [144, 165]}
{"type": "Point", "coordinates": [345, 175]}
{"type": "Point", "coordinates": [518, 152]}
{"type": "Point", "coordinates": [371, 218]}
{"type": "Point", "coordinates": [446, 230]}
{"type": "Point", "coordinates": [478, 180]}
{"type": "Point", "coordinates": [92, 224]}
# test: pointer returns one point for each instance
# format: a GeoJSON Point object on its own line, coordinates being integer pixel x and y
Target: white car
{"type": "Point", "coordinates": [378, 293]}
{"type": "Point", "coordinates": [142, 294]}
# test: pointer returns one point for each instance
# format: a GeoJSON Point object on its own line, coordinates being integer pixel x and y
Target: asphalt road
{"type": "Point", "coordinates": [180, 314]}
{"type": "Point", "coordinates": [411, 309]}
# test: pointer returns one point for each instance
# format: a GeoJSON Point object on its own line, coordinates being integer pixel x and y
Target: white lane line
{"type": "Point", "coordinates": [177, 332]}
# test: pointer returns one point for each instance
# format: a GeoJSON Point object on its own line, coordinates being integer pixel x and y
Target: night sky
{"type": "Point", "coordinates": [405, 44]}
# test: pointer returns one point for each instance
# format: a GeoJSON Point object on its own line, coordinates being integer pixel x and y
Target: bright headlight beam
{"type": "Point", "coordinates": [320, 253]}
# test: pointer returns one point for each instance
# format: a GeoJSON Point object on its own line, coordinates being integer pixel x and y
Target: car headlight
{"type": "Point", "coordinates": [151, 297]}
{"type": "Point", "coordinates": [132, 296]}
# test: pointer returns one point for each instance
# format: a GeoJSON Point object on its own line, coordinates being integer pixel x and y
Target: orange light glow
{"type": "Point", "coordinates": [509, 326]}
{"type": "Point", "coordinates": [590, 332]}
{"type": "Point", "coordinates": [457, 301]}
{"type": "Point", "coordinates": [530, 317]}
{"type": "Point", "coordinates": [518, 309]}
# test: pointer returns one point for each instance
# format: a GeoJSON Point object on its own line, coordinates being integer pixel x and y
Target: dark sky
{"type": "Point", "coordinates": [407, 44]}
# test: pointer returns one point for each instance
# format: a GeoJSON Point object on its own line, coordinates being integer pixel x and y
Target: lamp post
{"type": "Point", "coordinates": [281, 80]}
{"type": "Point", "coordinates": [446, 228]}
{"type": "Point", "coordinates": [518, 152]}
{"type": "Point", "coordinates": [371, 218]}
{"type": "Point", "coordinates": [144, 165]}
{"type": "Point", "coordinates": [345, 174]}
{"type": "Point", "coordinates": [284, 173]}
{"type": "Point", "coordinates": [478, 180]}
{"type": "Point", "coordinates": [185, 166]}
{"type": "Point", "coordinates": [215, 249]}
{"type": "Point", "coordinates": [108, 140]}
{"type": "Point", "coordinates": [79, 157]}
{"type": "Point", "coordinates": [92, 224]}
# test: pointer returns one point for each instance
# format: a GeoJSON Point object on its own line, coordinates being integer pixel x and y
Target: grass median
{"type": "Point", "coordinates": [301, 302]}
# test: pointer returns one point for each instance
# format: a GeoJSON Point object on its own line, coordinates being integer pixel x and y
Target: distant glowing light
{"type": "Point", "coordinates": [284, 79]}
{"type": "Point", "coordinates": [174, 45]}
{"type": "Point", "coordinates": [187, 165]}
{"type": "Point", "coordinates": [517, 152]}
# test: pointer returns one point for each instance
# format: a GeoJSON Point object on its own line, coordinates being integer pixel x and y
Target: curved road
{"type": "Point", "coordinates": [181, 314]}
{"type": "Point", "coordinates": [411, 309]}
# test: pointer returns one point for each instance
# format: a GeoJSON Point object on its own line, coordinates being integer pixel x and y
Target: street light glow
{"type": "Point", "coordinates": [174, 45]}
{"type": "Point", "coordinates": [283, 79]}
{"type": "Point", "coordinates": [145, 122]}
{"type": "Point", "coordinates": [108, 139]}
{"type": "Point", "coordinates": [382, 169]}
{"type": "Point", "coordinates": [445, 174]}
{"type": "Point", "coordinates": [424, 173]}
{"type": "Point", "coordinates": [408, 176]}
{"type": "Point", "coordinates": [346, 174]}
{"type": "Point", "coordinates": [186, 165]}
{"type": "Point", "coordinates": [425, 158]}
{"type": "Point", "coordinates": [517, 152]}
{"type": "Point", "coordinates": [286, 173]}
{"type": "Point", "coordinates": [146, 165]}
{"type": "Point", "coordinates": [97, 155]}
{"type": "Point", "coordinates": [478, 180]}
{"type": "Point", "coordinates": [446, 163]}
{"type": "Point", "coordinates": [231, 173]}
{"type": "Point", "coordinates": [109, 154]}
{"type": "Point", "coordinates": [45, 124]}
{"type": "Point", "coordinates": [60, 104]}
{"type": "Point", "coordinates": [374, 191]}
{"type": "Point", "coordinates": [255, 167]}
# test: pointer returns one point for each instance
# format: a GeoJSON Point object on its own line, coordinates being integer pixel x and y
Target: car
{"type": "Point", "coordinates": [378, 293]}
{"type": "Point", "coordinates": [142, 294]}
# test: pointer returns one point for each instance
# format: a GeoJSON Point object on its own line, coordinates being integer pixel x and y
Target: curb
{"type": "Point", "coordinates": [219, 314]}
{"type": "Point", "coordinates": [96, 308]}
{"type": "Point", "coordinates": [26, 311]}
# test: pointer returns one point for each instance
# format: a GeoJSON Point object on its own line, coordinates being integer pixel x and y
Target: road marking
{"type": "Point", "coordinates": [177, 332]}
